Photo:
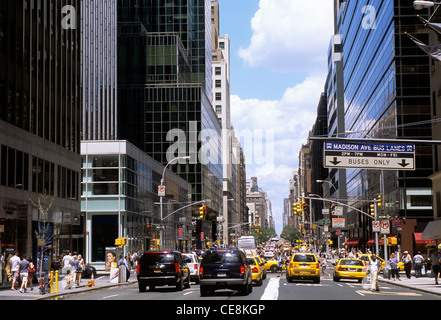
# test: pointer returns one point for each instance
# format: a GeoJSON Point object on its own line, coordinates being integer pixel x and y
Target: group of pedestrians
{"type": "Point", "coordinates": [20, 271]}
{"type": "Point", "coordinates": [73, 266]}
{"type": "Point", "coordinates": [418, 263]}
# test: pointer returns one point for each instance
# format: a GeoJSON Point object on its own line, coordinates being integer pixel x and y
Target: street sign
{"type": "Point", "coordinates": [376, 226]}
{"type": "Point", "coordinates": [369, 156]}
{"type": "Point", "coordinates": [385, 227]}
{"type": "Point", "coordinates": [161, 191]}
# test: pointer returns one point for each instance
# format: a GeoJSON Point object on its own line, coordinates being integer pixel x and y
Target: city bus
{"type": "Point", "coordinates": [246, 243]}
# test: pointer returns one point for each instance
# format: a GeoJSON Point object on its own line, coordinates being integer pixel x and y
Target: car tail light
{"type": "Point", "coordinates": [317, 266]}
{"type": "Point", "coordinates": [195, 266]}
{"type": "Point", "coordinates": [291, 265]}
{"type": "Point", "coordinates": [139, 268]}
{"type": "Point", "coordinates": [176, 267]}
{"type": "Point", "coordinates": [340, 268]}
{"type": "Point", "coordinates": [242, 270]}
{"type": "Point", "coordinates": [255, 270]}
{"type": "Point", "coordinates": [201, 270]}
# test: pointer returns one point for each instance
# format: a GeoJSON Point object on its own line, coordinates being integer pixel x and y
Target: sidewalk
{"type": "Point", "coordinates": [102, 280]}
{"type": "Point", "coordinates": [425, 284]}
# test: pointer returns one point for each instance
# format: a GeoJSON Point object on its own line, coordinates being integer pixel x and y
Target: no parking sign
{"type": "Point", "coordinates": [385, 227]}
{"type": "Point", "coordinates": [376, 226]}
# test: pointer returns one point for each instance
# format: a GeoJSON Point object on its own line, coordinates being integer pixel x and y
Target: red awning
{"type": "Point", "coordinates": [372, 241]}
{"type": "Point", "coordinates": [352, 242]}
{"type": "Point", "coordinates": [418, 239]}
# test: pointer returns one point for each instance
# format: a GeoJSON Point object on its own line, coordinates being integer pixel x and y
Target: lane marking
{"type": "Point", "coordinates": [410, 294]}
{"type": "Point", "coordinates": [271, 290]}
{"type": "Point", "coordinates": [115, 295]}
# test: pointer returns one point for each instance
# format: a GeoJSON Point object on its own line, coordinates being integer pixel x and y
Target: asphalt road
{"type": "Point", "coordinates": [273, 288]}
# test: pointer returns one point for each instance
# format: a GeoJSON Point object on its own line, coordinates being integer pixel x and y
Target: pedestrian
{"type": "Point", "coordinates": [279, 265]}
{"type": "Point", "coordinates": [23, 270]}
{"type": "Point", "coordinates": [31, 271]}
{"type": "Point", "coordinates": [15, 263]}
{"type": "Point", "coordinates": [374, 270]}
{"type": "Point", "coordinates": [407, 260]}
{"type": "Point", "coordinates": [435, 258]}
{"type": "Point", "coordinates": [393, 262]}
{"type": "Point", "coordinates": [123, 262]}
{"type": "Point", "coordinates": [324, 264]}
{"type": "Point", "coordinates": [418, 264]}
{"type": "Point", "coordinates": [79, 270]}
{"type": "Point", "coordinates": [67, 262]}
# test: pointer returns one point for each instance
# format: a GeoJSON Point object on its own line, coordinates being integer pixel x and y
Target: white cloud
{"type": "Point", "coordinates": [286, 124]}
{"type": "Point", "coordinates": [290, 36]}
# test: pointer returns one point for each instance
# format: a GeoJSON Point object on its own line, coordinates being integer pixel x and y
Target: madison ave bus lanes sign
{"type": "Point", "coordinates": [369, 156]}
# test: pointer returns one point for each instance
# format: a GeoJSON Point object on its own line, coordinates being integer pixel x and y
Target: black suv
{"type": "Point", "coordinates": [225, 269]}
{"type": "Point", "coordinates": [161, 268]}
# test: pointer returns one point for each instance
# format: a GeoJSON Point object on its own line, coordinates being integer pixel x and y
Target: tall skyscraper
{"type": "Point", "coordinates": [164, 92]}
{"type": "Point", "coordinates": [99, 116]}
{"type": "Point", "coordinates": [386, 95]}
{"type": "Point", "coordinates": [40, 111]}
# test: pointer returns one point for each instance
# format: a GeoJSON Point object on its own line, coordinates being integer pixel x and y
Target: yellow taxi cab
{"type": "Point", "coordinates": [271, 265]}
{"type": "Point", "coordinates": [348, 268]}
{"type": "Point", "coordinates": [303, 265]}
{"type": "Point", "coordinates": [258, 269]}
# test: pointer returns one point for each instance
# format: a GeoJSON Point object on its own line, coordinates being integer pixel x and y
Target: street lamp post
{"type": "Point", "coordinates": [162, 196]}
{"type": "Point", "coordinates": [419, 5]}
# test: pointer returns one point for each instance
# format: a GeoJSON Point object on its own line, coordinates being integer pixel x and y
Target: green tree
{"type": "Point", "coordinates": [290, 233]}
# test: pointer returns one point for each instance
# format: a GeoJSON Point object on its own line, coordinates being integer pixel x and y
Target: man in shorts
{"type": "Point", "coordinates": [15, 261]}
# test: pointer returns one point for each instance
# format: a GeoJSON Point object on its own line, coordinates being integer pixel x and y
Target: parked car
{"type": "Point", "coordinates": [162, 268]}
{"type": "Point", "coordinates": [193, 264]}
{"type": "Point", "coordinates": [225, 269]}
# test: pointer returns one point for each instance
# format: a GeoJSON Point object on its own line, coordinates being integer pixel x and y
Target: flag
{"type": "Point", "coordinates": [434, 51]}
{"type": "Point", "coordinates": [434, 26]}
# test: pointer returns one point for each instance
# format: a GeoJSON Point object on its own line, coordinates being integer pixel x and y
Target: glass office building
{"type": "Point", "coordinates": [40, 111]}
{"type": "Point", "coordinates": [99, 102]}
{"type": "Point", "coordinates": [120, 200]}
{"type": "Point", "coordinates": [164, 91]}
{"type": "Point", "coordinates": [386, 95]}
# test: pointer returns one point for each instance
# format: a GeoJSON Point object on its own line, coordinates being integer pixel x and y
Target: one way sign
{"type": "Point", "coordinates": [369, 156]}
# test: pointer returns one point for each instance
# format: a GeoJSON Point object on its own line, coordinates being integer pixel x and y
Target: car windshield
{"type": "Point", "coordinates": [153, 258]}
{"type": "Point", "coordinates": [220, 257]}
{"type": "Point", "coordinates": [351, 263]}
{"type": "Point", "coordinates": [188, 258]}
{"type": "Point", "coordinates": [304, 258]}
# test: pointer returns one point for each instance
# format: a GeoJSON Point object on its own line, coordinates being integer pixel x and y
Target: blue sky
{"type": "Point", "coordinates": [278, 70]}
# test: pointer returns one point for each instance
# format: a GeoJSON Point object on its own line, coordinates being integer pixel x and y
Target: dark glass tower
{"type": "Point", "coordinates": [164, 91]}
{"type": "Point", "coordinates": [40, 111]}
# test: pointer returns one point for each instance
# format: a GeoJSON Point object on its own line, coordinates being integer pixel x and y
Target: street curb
{"type": "Point", "coordinates": [408, 287]}
{"type": "Point", "coordinates": [52, 296]}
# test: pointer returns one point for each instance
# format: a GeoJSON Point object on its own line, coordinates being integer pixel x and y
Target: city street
{"type": "Point", "coordinates": [273, 288]}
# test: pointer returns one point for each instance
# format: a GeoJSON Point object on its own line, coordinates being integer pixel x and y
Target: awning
{"type": "Point", "coordinates": [372, 241]}
{"type": "Point", "coordinates": [432, 231]}
{"type": "Point", "coordinates": [352, 242]}
{"type": "Point", "coordinates": [418, 239]}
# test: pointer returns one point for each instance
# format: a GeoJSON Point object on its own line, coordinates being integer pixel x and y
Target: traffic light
{"type": "Point", "coordinates": [372, 209]}
{"type": "Point", "coordinates": [202, 212]}
{"type": "Point", "coordinates": [380, 200]}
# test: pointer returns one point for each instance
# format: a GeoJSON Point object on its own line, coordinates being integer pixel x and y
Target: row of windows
{"type": "Point", "coordinates": [46, 177]}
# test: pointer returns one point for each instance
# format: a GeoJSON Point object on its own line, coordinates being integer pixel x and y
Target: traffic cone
{"type": "Point", "coordinates": [93, 280]}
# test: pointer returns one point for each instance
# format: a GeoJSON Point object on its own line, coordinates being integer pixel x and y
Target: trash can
{"type": "Point", "coordinates": [386, 273]}
{"type": "Point", "coordinates": [122, 274]}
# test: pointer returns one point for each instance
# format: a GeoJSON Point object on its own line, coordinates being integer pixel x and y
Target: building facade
{"type": "Point", "coordinates": [40, 112]}
{"type": "Point", "coordinates": [99, 67]}
{"type": "Point", "coordinates": [120, 200]}
{"type": "Point", "coordinates": [164, 94]}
